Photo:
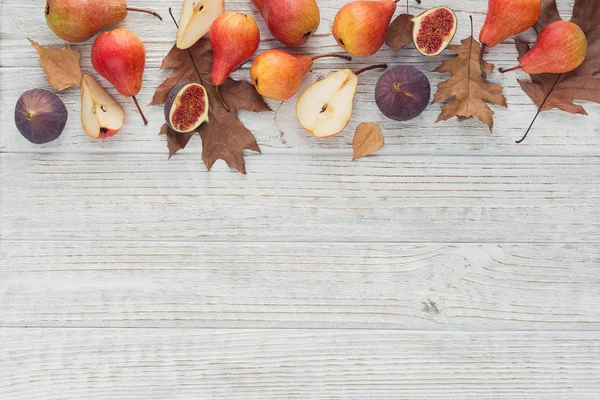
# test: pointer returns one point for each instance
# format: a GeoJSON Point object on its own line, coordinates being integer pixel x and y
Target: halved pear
{"type": "Point", "coordinates": [195, 20]}
{"type": "Point", "coordinates": [101, 115]}
{"type": "Point", "coordinates": [325, 108]}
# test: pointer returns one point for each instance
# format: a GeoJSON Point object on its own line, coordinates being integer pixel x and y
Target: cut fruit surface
{"type": "Point", "coordinates": [433, 30]}
{"type": "Point", "coordinates": [196, 19]}
{"type": "Point", "coordinates": [101, 115]}
{"type": "Point", "coordinates": [186, 107]}
{"type": "Point", "coordinates": [325, 108]}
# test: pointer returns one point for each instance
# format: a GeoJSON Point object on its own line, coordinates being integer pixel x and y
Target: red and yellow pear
{"type": "Point", "coordinates": [292, 22]}
{"type": "Point", "coordinates": [101, 115]}
{"type": "Point", "coordinates": [277, 74]}
{"type": "Point", "coordinates": [234, 38]}
{"type": "Point", "coordinates": [196, 19]}
{"type": "Point", "coordinates": [120, 57]}
{"type": "Point", "coordinates": [560, 48]}
{"type": "Point", "coordinates": [360, 27]}
{"type": "Point", "coordinates": [506, 18]}
{"type": "Point", "coordinates": [79, 20]}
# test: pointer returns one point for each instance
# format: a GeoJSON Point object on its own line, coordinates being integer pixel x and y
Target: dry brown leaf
{"type": "Point", "coordinates": [399, 34]}
{"type": "Point", "coordinates": [223, 136]}
{"type": "Point", "coordinates": [61, 65]}
{"type": "Point", "coordinates": [368, 138]}
{"type": "Point", "coordinates": [471, 93]}
{"type": "Point", "coordinates": [550, 91]}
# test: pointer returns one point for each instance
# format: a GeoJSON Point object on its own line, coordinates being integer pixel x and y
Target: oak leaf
{"type": "Point", "coordinates": [550, 91]}
{"type": "Point", "coordinates": [470, 92]}
{"type": "Point", "coordinates": [400, 32]}
{"type": "Point", "coordinates": [61, 65]}
{"type": "Point", "coordinates": [223, 136]}
{"type": "Point", "coordinates": [368, 138]}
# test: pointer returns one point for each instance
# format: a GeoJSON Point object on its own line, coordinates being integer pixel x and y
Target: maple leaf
{"type": "Point", "coordinates": [368, 138]}
{"type": "Point", "coordinates": [469, 90]}
{"type": "Point", "coordinates": [550, 91]}
{"type": "Point", "coordinates": [61, 65]}
{"type": "Point", "coordinates": [223, 136]}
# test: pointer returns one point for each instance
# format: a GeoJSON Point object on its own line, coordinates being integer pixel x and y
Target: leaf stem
{"type": "Point", "coordinates": [140, 110]}
{"type": "Point", "coordinates": [188, 50]}
{"type": "Point", "coordinates": [365, 69]}
{"type": "Point", "coordinates": [539, 110]}
{"type": "Point", "coordinates": [502, 70]}
{"type": "Point", "coordinates": [145, 11]}
{"type": "Point", "coordinates": [348, 58]}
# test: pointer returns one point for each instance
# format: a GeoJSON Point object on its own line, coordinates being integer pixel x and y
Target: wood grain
{"type": "Point", "coordinates": [297, 364]}
{"type": "Point", "coordinates": [300, 198]}
{"type": "Point", "coordinates": [301, 285]}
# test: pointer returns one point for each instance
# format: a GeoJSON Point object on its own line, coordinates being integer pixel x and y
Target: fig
{"type": "Point", "coordinates": [402, 93]}
{"type": "Point", "coordinates": [433, 30]}
{"type": "Point", "coordinates": [186, 107]}
{"type": "Point", "coordinates": [40, 116]}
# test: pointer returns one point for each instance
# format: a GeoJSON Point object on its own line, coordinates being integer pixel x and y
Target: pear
{"type": "Point", "coordinates": [101, 115]}
{"type": "Point", "coordinates": [292, 22]}
{"type": "Point", "coordinates": [325, 108]}
{"type": "Point", "coordinates": [360, 27]}
{"type": "Point", "coordinates": [78, 20]}
{"type": "Point", "coordinates": [120, 57]}
{"type": "Point", "coordinates": [506, 18]}
{"type": "Point", "coordinates": [560, 48]}
{"type": "Point", "coordinates": [195, 20]}
{"type": "Point", "coordinates": [234, 38]}
{"type": "Point", "coordinates": [277, 74]}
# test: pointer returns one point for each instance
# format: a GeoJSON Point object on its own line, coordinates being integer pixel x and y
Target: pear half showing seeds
{"type": "Point", "coordinates": [196, 19]}
{"type": "Point", "coordinates": [101, 115]}
{"type": "Point", "coordinates": [325, 108]}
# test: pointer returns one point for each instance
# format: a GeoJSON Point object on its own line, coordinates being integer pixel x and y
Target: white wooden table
{"type": "Point", "coordinates": [454, 264]}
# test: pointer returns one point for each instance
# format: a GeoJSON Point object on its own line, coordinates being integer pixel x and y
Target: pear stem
{"type": "Point", "coordinates": [140, 110]}
{"type": "Point", "coordinates": [502, 70]}
{"type": "Point", "coordinates": [143, 10]}
{"type": "Point", "coordinates": [481, 53]}
{"type": "Point", "coordinates": [365, 69]}
{"type": "Point", "coordinates": [347, 58]}
{"type": "Point", "coordinates": [225, 106]}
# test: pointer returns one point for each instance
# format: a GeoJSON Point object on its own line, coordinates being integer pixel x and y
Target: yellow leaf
{"type": "Point", "coordinates": [60, 65]}
{"type": "Point", "coordinates": [471, 92]}
{"type": "Point", "coordinates": [367, 140]}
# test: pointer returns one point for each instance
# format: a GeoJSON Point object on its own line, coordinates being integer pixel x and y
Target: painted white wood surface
{"type": "Point", "coordinates": [454, 264]}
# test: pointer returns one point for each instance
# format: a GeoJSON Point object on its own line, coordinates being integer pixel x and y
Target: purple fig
{"type": "Point", "coordinates": [40, 116]}
{"type": "Point", "coordinates": [186, 107]}
{"type": "Point", "coordinates": [402, 93]}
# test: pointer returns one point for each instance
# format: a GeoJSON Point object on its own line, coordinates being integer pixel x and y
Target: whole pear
{"type": "Point", "coordinates": [277, 74]}
{"type": "Point", "coordinates": [561, 47]}
{"type": "Point", "coordinates": [506, 18]}
{"type": "Point", "coordinates": [120, 57]}
{"type": "Point", "coordinates": [360, 27]}
{"type": "Point", "coordinates": [78, 20]}
{"type": "Point", "coordinates": [292, 22]}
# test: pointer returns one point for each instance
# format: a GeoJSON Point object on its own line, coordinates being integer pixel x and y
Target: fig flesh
{"type": "Point", "coordinates": [403, 93]}
{"type": "Point", "coordinates": [433, 30]}
{"type": "Point", "coordinates": [40, 116]}
{"type": "Point", "coordinates": [186, 107]}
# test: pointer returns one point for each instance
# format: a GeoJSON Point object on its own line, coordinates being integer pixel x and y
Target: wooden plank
{"type": "Point", "coordinates": [300, 198]}
{"type": "Point", "coordinates": [280, 132]}
{"type": "Point", "coordinates": [300, 285]}
{"type": "Point", "coordinates": [297, 364]}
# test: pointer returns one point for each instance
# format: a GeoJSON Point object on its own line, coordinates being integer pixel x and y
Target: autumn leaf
{"type": "Point", "coordinates": [223, 136]}
{"type": "Point", "coordinates": [470, 92]}
{"type": "Point", "coordinates": [399, 33]}
{"type": "Point", "coordinates": [550, 91]}
{"type": "Point", "coordinates": [61, 65]}
{"type": "Point", "coordinates": [367, 140]}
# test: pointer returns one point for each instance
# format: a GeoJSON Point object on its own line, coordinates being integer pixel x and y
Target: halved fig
{"type": "Point", "coordinates": [433, 30]}
{"type": "Point", "coordinates": [186, 107]}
